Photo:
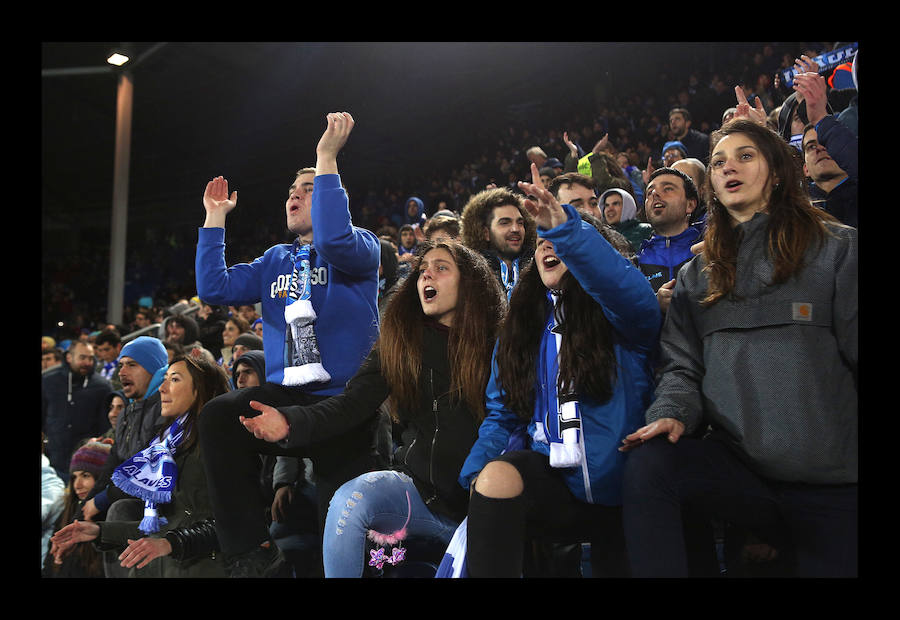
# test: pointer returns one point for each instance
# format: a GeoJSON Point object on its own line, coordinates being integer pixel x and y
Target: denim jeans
{"type": "Point", "coordinates": [376, 501]}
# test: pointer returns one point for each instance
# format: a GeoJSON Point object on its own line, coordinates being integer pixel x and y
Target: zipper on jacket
{"type": "Point", "coordinates": [434, 410]}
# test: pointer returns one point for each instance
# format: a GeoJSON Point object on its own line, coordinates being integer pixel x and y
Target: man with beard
{"type": "Point", "coordinates": [73, 399]}
{"type": "Point", "coordinates": [496, 224]}
{"type": "Point", "coordinates": [671, 198]}
{"type": "Point", "coordinates": [695, 142]}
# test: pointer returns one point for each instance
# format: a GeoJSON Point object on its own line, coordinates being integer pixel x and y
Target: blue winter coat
{"type": "Point", "coordinates": [624, 296]}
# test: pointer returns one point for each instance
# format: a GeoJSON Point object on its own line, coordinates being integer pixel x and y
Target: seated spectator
{"type": "Point", "coordinates": [235, 326]}
{"type": "Point", "coordinates": [432, 362]}
{"type": "Point", "coordinates": [769, 305]}
{"type": "Point", "coordinates": [82, 559]}
{"type": "Point", "coordinates": [53, 491]}
{"type": "Point", "coordinates": [564, 482]}
{"type": "Point", "coordinates": [176, 537]}
{"type": "Point", "coordinates": [243, 343]}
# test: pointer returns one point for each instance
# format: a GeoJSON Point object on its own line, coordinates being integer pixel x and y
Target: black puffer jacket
{"type": "Point", "coordinates": [439, 432]}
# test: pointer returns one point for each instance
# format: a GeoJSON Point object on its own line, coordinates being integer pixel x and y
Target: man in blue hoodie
{"type": "Point", "coordinates": [671, 199]}
{"type": "Point", "coordinates": [320, 319]}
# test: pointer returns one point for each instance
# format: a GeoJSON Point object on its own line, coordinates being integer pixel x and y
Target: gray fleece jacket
{"type": "Point", "coordinates": [772, 369]}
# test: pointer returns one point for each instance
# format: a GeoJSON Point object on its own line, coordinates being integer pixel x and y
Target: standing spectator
{"type": "Point", "coordinates": [695, 142]}
{"type": "Point", "coordinates": [321, 319]}
{"type": "Point", "coordinates": [72, 405]}
{"type": "Point", "coordinates": [107, 346]}
{"type": "Point", "coordinates": [770, 304]}
{"type": "Point", "coordinates": [210, 324]}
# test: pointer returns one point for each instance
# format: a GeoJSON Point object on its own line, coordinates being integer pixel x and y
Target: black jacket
{"type": "Point", "coordinates": [439, 432]}
{"type": "Point", "coordinates": [72, 408]}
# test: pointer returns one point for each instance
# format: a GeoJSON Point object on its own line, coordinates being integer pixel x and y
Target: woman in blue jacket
{"type": "Point", "coordinates": [576, 377]}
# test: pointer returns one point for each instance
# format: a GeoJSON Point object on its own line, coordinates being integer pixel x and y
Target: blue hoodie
{"type": "Point", "coordinates": [344, 263]}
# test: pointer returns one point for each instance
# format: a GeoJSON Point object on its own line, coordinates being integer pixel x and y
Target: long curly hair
{"type": "Point", "coordinates": [480, 309]}
{"type": "Point", "coordinates": [587, 359]}
{"type": "Point", "coordinates": [477, 215]}
{"type": "Point", "coordinates": [795, 223]}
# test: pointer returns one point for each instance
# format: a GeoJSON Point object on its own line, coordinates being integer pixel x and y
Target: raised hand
{"type": "Point", "coordinates": [217, 202]}
{"type": "Point", "coordinates": [571, 145]}
{"type": "Point", "coordinates": [270, 425]}
{"type": "Point", "coordinates": [757, 114]}
{"type": "Point", "coordinates": [337, 131]}
{"type": "Point", "coordinates": [813, 88]}
{"type": "Point", "coordinates": [546, 210]}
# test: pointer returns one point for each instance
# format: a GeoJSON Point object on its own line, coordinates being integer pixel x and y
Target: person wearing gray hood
{"type": "Point", "coordinates": [620, 212]}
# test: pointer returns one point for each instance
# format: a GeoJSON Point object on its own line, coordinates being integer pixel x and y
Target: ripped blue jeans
{"type": "Point", "coordinates": [375, 501]}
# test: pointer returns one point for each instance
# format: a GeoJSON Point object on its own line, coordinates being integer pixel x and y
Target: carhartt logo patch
{"type": "Point", "coordinates": [802, 311]}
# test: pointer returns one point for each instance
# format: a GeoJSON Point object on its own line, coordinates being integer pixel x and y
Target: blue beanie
{"type": "Point", "coordinates": [147, 351]}
{"type": "Point", "coordinates": [674, 144]}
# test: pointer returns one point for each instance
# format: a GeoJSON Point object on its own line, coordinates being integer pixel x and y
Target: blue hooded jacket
{"type": "Point", "coordinates": [628, 302]}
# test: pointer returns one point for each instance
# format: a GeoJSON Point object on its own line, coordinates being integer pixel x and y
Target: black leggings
{"type": "Point", "coordinates": [231, 455]}
{"type": "Point", "coordinates": [546, 510]}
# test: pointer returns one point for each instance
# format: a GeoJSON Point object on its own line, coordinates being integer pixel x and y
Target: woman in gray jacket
{"type": "Point", "coordinates": [760, 346]}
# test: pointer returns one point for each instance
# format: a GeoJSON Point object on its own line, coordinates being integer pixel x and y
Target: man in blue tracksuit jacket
{"type": "Point", "coordinates": [320, 319]}
{"type": "Point", "coordinates": [671, 198]}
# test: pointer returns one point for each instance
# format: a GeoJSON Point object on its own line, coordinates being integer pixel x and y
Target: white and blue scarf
{"type": "Point", "coordinates": [151, 474]}
{"type": "Point", "coordinates": [557, 417]}
{"type": "Point", "coordinates": [509, 277]}
{"type": "Point", "coordinates": [302, 360]}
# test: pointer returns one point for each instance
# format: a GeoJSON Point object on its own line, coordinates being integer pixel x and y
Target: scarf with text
{"type": "Point", "coordinates": [302, 360]}
{"type": "Point", "coordinates": [151, 474]}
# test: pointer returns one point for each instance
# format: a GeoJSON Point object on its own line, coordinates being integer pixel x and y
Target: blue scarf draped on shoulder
{"type": "Point", "coordinates": [151, 474]}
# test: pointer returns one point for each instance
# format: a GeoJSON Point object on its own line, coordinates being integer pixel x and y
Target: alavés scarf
{"type": "Point", "coordinates": [151, 474]}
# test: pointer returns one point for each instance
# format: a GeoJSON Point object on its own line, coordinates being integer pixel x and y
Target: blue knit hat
{"type": "Point", "coordinates": [674, 144]}
{"type": "Point", "coordinates": [147, 351]}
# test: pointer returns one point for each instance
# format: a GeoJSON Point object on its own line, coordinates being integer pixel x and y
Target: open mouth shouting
{"type": "Point", "coordinates": [549, 265]}
{"type": "Point", "coordinates": [428, 293]}
{"type": "Point", "coordinates": [733, 185]}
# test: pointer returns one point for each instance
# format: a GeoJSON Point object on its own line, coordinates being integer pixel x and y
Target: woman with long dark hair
{"type": "Point", "coordinates": [571, 365]}
{"type": "Point", "coordinates": [432, 363]}
{"type": "Point", "coordinates": [177, 536]}
{"type": "Point", "coordinates": [760, 344]}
